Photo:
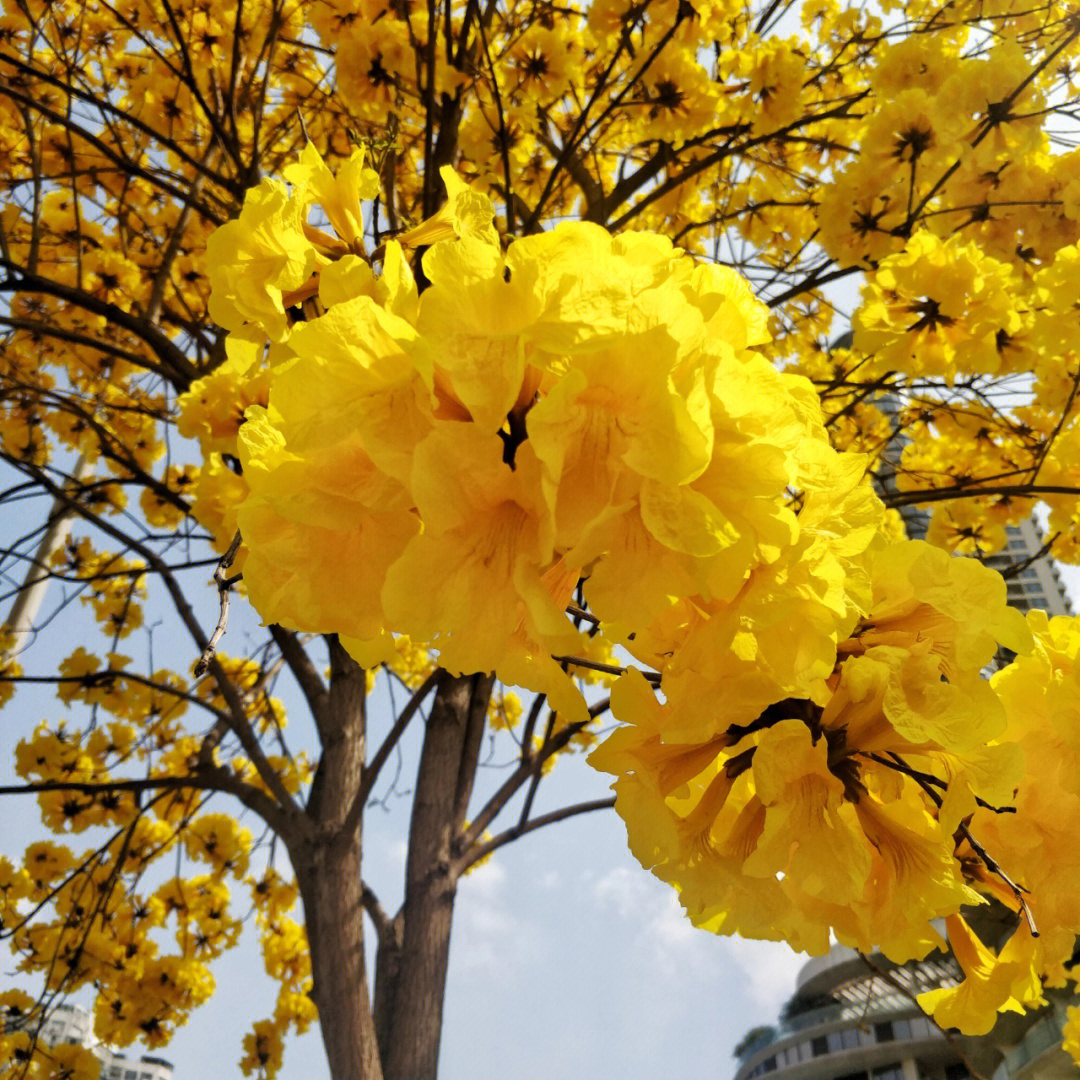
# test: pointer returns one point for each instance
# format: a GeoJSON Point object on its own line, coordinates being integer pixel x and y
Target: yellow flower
{"type": "Point", "coordinates": [938, 308]}
{"type": "Point", "coordinates": [257, 259]}
{"type": "Point", "coordinates": [212, 409]}
{"type": "Point", "coordinates": [992, 983]}
{"type": "Point", "coordinates": [810, 833]}
{"type": "Point", "coordinates": [1071, 1033]}
{"type": "Point", "coordinates": [487, 532]}
{"type": "Point", "coordinates": [264, 1048]}
{"type": "Point", "coordinates": [339, 196]}
{"type": "Point", "coordinates": [220, 840]}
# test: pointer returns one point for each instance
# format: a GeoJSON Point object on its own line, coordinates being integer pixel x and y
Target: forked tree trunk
{"type": "Point", "coordinates": [399, 1039]}
{"type": "Point", "coordinates": [419, 947]}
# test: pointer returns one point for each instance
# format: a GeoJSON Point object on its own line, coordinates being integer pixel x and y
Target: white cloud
{"type": "Point", "coordinates": [484, 881]}
{"type": "Point", "coordinates": [663, 937]}
{"type": "Point", "coordinates": [489, 938]}
{"type": "Point", "coordinates": [672, 926]}
{"type": "Point", "coordinates": [551, 880]}
{"type": "Point", "coordinates": [623, 889]}
{"type": "Point", "coordinates": [770, 968]}
{"type": "Point", "coordinates": [666, 939]}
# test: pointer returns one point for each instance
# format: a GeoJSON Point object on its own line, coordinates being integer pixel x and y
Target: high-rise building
{"type": "Point", "coordinates": [1037, 584]}
{"type": "Point", "coordinates": [116, 1066]}
{"type": "Point", "coordinates": [68, 1023]}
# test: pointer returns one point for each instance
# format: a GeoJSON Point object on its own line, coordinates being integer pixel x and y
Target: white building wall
{"type": "Point", "coordinates": [121, 1067]}
{"type": "Point", "coordinates": [69, 1023]}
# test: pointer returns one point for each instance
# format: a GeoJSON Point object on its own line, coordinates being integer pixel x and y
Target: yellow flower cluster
{"type": "Point", "coordinates": [797, 821]}
{"type": "Point", "coordinates": [287, 961]}
{"type": "Point", "coordinates": [1041, 696]}
{"type": "Point", "coordinates": [111, 938]}
{"type": "Point", "coordinates": [9, 667]}
{"type": "Point", "coordinates": [576, 407]}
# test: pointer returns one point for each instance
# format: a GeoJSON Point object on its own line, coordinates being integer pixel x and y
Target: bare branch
{"type": "Point", "coordinates": [183, 371]}
{"type": "Point", "coordinates": [607, 669]}
{"type": "Point", "coordinates": [371, 773]}
{"type": "Point", "coordinates": [376, 912]}
{"type": "Point", "coordinates": [224, 587]}
{"type": "Point", "coordinates": [480, 851]}
{"type": "Point", "coordinates": [1014, 491]}
{"type": "Point", "coordinates": [304, 671]}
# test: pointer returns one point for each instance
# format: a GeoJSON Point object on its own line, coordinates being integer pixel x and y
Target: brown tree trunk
{"type": "Point", "coordinates": [327, 865]}
{"type": "Point", "coordinates": [412, 1027]}
{"type": "Point", "coordinates": [331, 891]}
{"type": "Point", "coordinates": [387, 966]}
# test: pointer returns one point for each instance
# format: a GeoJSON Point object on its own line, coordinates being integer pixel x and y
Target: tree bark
{"type": "Point", "coordinates": [417, 966]}
{"type": "Point", "coordinates": [327, 864]}
{"type": "Point", "coordinates": [387, 966]}
{"type": "Point", "coordinates": [331, 890]}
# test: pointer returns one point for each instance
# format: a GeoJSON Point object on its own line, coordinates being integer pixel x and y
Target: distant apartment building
{"type": "Point", "coordinates": [1037, 1053]}
{"type": "Point", "coordinates": [68, 1023]}
{"type": "Point", "coordinates": [1037, 584]}
{"type": "Point", "coordinates": [116, 1066]}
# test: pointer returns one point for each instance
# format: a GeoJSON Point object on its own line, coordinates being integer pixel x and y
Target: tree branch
{"type": "Point", "coordinates": [224, 588]}
{"type": "Point", "coordinates": [304, 671]}
{"type": "Point", "coordinates": [371, 773]}
{"type": "Point", "coordinates": [174, 359]}
{"type": "Point", "coordinates": [480, 851]}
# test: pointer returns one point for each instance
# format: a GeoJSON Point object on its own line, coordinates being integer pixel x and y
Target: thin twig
{"type": "Point", "coordinates": [899, 765]}
{"type": "Point", "coordinates": [580, 613]}
{"type": "Point", "coordinates": [537, 774]}
{"type": "Point", "coordinates": [995, 868]}
{"type": "Point", "coordinates": [375, 767]}
{"type": "Point", "coordinates": [608, 669]}
{"type": "Point", "coordinates": [481, 850]}
{"type": "Point", "coordinates": [224, 586]}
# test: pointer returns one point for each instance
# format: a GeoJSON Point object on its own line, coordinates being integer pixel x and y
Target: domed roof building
{"type": "Point", "coordinates": [856, 1018]}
